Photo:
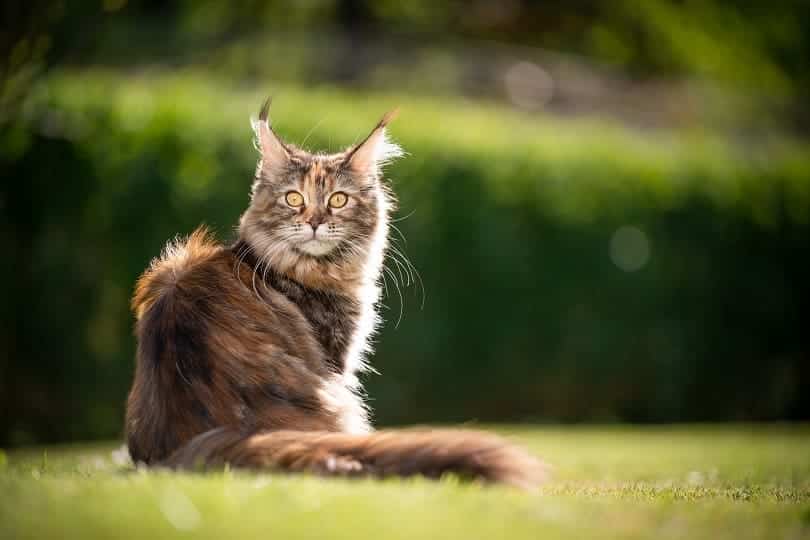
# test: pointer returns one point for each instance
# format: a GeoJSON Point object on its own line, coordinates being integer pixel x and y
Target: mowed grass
{"type": "Point", "coordinates": [616, 482]}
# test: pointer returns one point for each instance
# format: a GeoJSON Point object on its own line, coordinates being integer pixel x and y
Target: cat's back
{"type": "Point", "coordinates": [204, 304]}
{"type": "Point", "coordinates": [183, 268]}
{"type": "Point", "coordinates": [202, 295]}
{"type": "Point", "coordinates": [216, 348]}
{"type": "Point", "coordinates": [194, 310]}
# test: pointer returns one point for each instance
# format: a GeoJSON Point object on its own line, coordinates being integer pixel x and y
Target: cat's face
{"type": "Point", "coordinates": [316, 206]}
{"type": "Point", "coordinates": [318, 213]}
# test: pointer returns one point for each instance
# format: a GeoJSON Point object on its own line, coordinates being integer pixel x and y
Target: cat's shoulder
{"type": "Point", "coordinates": [180, 260]}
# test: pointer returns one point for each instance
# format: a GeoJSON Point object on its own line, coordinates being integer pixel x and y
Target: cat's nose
{"type": "Point", "coordinates": [314, 222]}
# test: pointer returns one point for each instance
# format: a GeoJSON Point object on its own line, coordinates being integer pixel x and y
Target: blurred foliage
{"type": "Point", "coordinates": [753, 54]}
{"type": "Point", "coordinates": [573, 270]}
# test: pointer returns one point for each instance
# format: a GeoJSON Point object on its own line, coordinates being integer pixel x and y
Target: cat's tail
{"type": "Point", "coordinates": [429, 453]}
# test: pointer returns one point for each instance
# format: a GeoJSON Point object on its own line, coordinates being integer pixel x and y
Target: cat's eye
{"type": "Point", "coordinates": [294, 198]}
{"type": "Point", "coordinates": [338, 200]}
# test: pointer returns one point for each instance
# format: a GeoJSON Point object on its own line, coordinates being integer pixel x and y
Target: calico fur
{"type": "Point", "coordinates": [248, 354]}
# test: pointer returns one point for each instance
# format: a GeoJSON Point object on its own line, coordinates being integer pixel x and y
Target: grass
{"type": "Point", "coordinates": [685, 482]}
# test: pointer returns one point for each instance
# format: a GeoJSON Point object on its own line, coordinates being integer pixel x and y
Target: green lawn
{"type": "Point", "coordinates": [680, 482]}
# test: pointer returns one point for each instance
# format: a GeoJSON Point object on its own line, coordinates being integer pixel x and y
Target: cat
{"type": "Point", "coordinates": [248, 354]}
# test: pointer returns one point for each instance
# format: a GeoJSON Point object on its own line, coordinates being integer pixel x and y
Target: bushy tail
{"type": "Point", "coordinates": [429, 453]}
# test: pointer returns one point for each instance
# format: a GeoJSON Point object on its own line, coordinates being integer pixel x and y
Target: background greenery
{"type": "Point", "coordinates": [582, 257]}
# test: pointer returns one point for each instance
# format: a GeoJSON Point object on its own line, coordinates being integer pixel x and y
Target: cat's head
{"type": "Point", "coordinates": [322, 213]}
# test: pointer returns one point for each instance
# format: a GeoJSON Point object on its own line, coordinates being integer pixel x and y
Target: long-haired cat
{"type": "Point", "coordinates": [248, 354]}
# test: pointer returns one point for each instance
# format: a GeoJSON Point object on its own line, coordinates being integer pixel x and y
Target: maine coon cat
{"type": "Point", "coordinates": [248, 354]}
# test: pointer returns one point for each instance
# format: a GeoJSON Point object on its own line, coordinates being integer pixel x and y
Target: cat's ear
{"type": "Point", "coordinates": [274, 154]}
{"type": "Point", "coordinates": [368, 157]}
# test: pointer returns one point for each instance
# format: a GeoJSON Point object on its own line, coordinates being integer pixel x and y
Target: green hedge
{"type": "Point", "coordinates": [519, 225]}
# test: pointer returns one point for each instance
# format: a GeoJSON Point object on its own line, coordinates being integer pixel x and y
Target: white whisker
{"type": "Point", "coordinates": [311, 131]}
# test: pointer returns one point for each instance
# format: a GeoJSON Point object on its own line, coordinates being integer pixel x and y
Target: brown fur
{"type": "Point", "coordinates": [429, 453]}
{"type": "Point", "coordinates": [249, 354]}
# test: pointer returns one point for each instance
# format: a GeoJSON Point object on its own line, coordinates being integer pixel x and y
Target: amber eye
{"type": "Point", "coordinates": [338, 200]}
{"type": "Point", "coordinates": [294, 198]}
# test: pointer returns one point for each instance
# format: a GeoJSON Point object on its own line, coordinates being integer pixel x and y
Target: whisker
{"type": "Point", "coordinates": [416, 277]}
{"type": "Point", "coordinates": [237, 266]}
{"type": "Point", "coordinates": [385, 285]}
{"type": "Point", "coordinates": [403, 218]}
{"type": "Point", "coordinates": [396, 255]}
{"type": "Point", "coordinates": [404, 240]}
{"type": "Point", "coordinates": [404, 277]}
{"type": "Point", "coordinates": [399, 293]}
{"type": "Point", "coordinates": [317, 124]}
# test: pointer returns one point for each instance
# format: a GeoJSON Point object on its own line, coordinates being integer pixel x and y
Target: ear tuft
{"type": "Point", "coordinates": [388, 117]}
{"type": "Point", "coordinates": [264, 112]}
{"type": "Point", "coordinates": [377, 150]}
{"type": "Point", "coordinates": [274, 154]}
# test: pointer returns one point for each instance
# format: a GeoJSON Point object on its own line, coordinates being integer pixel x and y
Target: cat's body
{"type": "Point", "coordinates": [249, 354]}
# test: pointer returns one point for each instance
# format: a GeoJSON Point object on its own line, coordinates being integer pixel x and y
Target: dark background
{"type": "Point", "coordinates": [608, 202]}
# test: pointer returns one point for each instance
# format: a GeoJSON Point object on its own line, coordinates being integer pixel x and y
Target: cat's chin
{"type": "Point", "coordinates": [316, 248]}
